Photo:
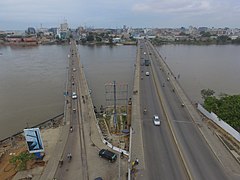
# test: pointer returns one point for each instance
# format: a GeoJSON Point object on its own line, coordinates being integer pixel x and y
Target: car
{"type": "Point", "coordinates": [74, 69]}
{"type": "Point", "coordinates": [98, 178]}
{"type": "Point", "coordinates": [147, 73]}
{"type": "Point", "coordinates": [144, 53]}
{"type": "Point", "coordinates": [109, 155]}
{"type": "Point", "coordinates": [74, 95]}
{"type": "Point", "coordinates": [156, 120]}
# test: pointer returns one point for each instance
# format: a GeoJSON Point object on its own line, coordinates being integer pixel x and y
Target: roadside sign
{"type": "Point", "coordinates": [34, 140]}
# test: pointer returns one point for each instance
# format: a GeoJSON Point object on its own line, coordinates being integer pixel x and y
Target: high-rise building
{"type": "Point", "coordinates": [64, 27]}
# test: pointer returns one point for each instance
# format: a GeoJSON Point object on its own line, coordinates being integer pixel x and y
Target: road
{"type": "Point", "coordinates": [85, 141]}
{"type": "Point", "coordinates": [197, 156]}
{"type": "Point", "coordinates": [76, 140]}
{"type": "Point", "coordinates": [161, 155]}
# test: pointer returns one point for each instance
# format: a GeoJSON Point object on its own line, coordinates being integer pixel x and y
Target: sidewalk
{"type": "Point", "coordinates": [137, 151]}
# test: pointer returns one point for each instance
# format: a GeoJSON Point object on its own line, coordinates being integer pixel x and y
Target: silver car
{"type": "Point", "coordinates": [156, 120]}
{"type": "Point", "coordinates": [74, 95]}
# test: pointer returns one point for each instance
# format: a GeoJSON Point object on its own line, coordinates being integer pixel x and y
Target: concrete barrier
{"type": "Point", "coordinates": [225, 126]}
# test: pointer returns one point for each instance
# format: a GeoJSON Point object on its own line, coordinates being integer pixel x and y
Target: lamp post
{"type": "Point", "coordinates": [119, 169]}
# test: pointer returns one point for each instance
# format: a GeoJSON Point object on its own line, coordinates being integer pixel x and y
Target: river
{"type": "Point", "coordinates": [32, 79]}
{"type": "Point", "coordinates": [201, 67]}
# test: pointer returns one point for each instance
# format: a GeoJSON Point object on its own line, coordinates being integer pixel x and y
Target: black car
{"type": "Point", "coordinates": [110, 156]}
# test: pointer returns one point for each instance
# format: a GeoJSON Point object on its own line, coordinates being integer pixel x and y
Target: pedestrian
{"type": "Point", "coordinates": [122, 155]}
{"type": "Point", "coordinates": [133, 163]}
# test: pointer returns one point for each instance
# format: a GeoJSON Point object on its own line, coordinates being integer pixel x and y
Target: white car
{"type": "Point", "coordinates": [147, 73]}
{"type": "Point", "coordinates": [156, 120]}
{"type": "Point", "coordinates": [74, 95]}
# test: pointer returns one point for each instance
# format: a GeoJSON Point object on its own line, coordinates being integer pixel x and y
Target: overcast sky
{"type": "Point", "coordinates": [20, 14]}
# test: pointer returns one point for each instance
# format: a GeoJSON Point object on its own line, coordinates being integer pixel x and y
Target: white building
{"type": "Point", "coordinates": [64, 27]}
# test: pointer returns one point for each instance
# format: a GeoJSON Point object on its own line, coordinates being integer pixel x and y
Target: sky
{"type": "Point", "coordinates": [20, 14]}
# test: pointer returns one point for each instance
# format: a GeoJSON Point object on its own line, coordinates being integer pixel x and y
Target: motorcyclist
{"type": "Point", "coordinates": [69, 156]}
{"type": "Point", "coordinates": [145, 111]}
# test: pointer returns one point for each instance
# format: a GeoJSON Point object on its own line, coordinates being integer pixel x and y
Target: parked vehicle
{"type": "Point", "coordinates": [110, 156]}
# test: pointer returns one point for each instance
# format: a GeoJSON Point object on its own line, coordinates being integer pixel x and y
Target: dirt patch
{"type": "Point", "coordinates": [8, 170]}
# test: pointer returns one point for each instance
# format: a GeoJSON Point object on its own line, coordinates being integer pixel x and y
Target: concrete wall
{"type": "Point", "coordinates": [219, 122]}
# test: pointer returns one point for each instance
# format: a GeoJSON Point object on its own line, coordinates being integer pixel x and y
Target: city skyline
{"type": "Point", "coordinates": [110, 14]}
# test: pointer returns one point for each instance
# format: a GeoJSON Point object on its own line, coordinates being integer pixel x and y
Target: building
{"type": "Point", "coordinates": [64, 27]}
{"type": "Point", "coordinates": [31, 30]}
{"type": "Point", "coordinates": [64, 31]}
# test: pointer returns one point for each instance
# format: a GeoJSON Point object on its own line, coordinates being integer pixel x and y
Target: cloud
{"type": "Point", "coordinates": [112, 13]}
{"type": "Point", "coordinates": [182, 6]}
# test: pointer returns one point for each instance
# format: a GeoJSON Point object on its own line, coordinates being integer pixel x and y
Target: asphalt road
{"type": "Point", "coordinates": [160, 152]}
{"type": "Point", "coordinates": [75, 168]}
{"type": "Point", "coordinates": [200, 160]}
{"type": "Point", "coordinates": [84, 142]}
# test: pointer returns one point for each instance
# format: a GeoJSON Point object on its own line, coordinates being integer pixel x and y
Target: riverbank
{"type": "Point", "coordinates": [158, 42]}
{"type": "Point", "coordinates": [15, 145]}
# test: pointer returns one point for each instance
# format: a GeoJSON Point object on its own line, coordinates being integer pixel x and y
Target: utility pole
{"type": "Point", "coordinates": [119, 169]}
{"type": "Point", "coordinates": [115, 105]}
{"type": "Point", "coordinates": [116, 94]}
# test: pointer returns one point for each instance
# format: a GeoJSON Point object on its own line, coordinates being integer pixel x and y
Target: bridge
{"type": "Point", "coordinates": [180, 148]}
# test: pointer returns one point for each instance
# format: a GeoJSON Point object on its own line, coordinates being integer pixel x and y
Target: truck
{"type": "Point", "coordinates": [147, 62]}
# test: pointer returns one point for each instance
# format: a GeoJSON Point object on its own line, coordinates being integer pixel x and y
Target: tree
{"type": "Point", "coordinates": [98, 39]}
{"type": "Point", "coordinates": [205, 34]}
{"type": "Point", "coordinates": [207, 93]}
{"type": "Point", "coordinates": [227, 108]}
{"type": "Point", "coordinates": [110, 40]}
{"type": "Point", "coordinates": [236, 41]}
{"type": "Point", "coordinates": [211, 104]}
{"type": "Point", "coordinates": [223, 39]}
{"type": "Point", "coordinates": [90, 38]}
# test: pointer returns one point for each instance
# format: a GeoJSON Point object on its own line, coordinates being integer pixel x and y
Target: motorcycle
{"type": "Point", "coordinates": [145, 111]}
{"type": "Point", "coordinates": [69, 156]}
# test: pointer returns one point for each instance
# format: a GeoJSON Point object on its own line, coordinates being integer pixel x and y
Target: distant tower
{"type": "Point", "coordinates": [64, 27]}
{"type": "Point", "coordinates": [64, 30]}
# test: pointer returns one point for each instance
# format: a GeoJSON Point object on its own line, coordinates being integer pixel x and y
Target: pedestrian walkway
{"type": "Point", "coordinates": [136, 140]}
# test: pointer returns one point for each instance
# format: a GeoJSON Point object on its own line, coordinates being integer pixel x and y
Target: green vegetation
{"type": "Point", "coordinates": [205, 34]}
{"type": "Point", "coordinates": [207, 93]}
{"type": "Point", "coordinates": [236, 41]}
{"type": "Point", "coordinates": [227, 107]}
{"type": "Point", "coordinates": [205, 39]}
{"type": "Point", "coordinates": [21, 160]}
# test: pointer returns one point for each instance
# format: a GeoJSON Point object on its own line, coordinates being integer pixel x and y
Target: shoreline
{"type": "Point", "coordinates": [49, 122]}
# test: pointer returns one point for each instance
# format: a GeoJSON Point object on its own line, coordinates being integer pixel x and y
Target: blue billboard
{"type": "Point", "coordinates": [34, 140]}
